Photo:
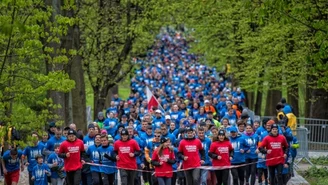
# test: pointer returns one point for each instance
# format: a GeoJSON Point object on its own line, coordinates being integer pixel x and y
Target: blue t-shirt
{"type": "Point", "coordinates": [111, 166]}
{"type": "Point", "coordinates": [31, 152]}
{"type": "Point", "coordinates": [54, 158]}
{"type": "Point", "coordinates": [10, 163]}
{"type": "Point", "coordinates": [40, 175]}
{"type": "Point", "coordinates": [94, 155]}
{"type": "Point", "coordinates": [53, 141]}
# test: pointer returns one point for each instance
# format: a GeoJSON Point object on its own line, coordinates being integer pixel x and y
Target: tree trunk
{"type": "Point", "coordinates": [274, 96]}
{"type": "Point", "coordinates": [74, 68]}
{"type": "Point", "coordinates": [98, 102]}
{"type": "Point", "coordinates": [111, 92]}
{"type": "Point", "coordinates": [249, 100]}
{"type": "Point", "coordinates": [58, 98]}
{"type": "Point", "coordinates": [317, 106]}
{"type": "Point", "coordinates": [258, 103]}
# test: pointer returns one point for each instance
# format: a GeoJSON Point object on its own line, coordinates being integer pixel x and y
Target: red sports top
{"type": "Point", "coordinates": [275, 144]}
{"type": "Point", "coordinates": [165, 167]}
{"type": "Point", "coordinates": [123, 149]}
{"type": "Point", "coordinates": [221, 149]}
{"type": "Point", "coordinates": [73, 162]}
{"type": "Point", "coordinates": [190, 149]}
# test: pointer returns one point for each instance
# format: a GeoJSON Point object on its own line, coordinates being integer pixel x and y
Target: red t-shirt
{"type": "Point", "coordinates": [275, 144]}
{"type": "Point", "coordinates": [73, 162]}
{"type": "Point", "coordinates": [165, 167]}
{"type": "Point", "coordinates": [221, 149]}
{"type": "Point", "coordinates": [190, 149]}
{"type": "Point", "coordinates": [123, 149]}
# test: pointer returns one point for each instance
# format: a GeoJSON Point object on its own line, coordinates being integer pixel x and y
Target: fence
{"type": "Point", "coordinates": [317, 136]}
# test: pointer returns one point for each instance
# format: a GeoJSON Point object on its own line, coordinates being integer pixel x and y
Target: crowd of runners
{"type": "Point", "coordinates": [199, 133]}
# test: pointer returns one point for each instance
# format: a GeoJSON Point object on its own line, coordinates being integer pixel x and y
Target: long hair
{"type": "Point", "coordinates": [225, 136]}
{"type": "Point", "coordinates": [161, 148]}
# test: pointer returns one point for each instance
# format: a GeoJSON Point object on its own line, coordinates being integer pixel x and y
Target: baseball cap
{"type": "Point", "coordinates": [233, 129]}
{"type": "Point", "coordinates": [167, 117]}
{"type": "Point", "coordinates": [164, 139]}
{"type": "Point", "coordinates": [206, 101]}
{"type": "Point", "coordinates": [158, 111]}
{"type": "Point", "coordinates": [124, 132]}
{"type": "Point", "coordinates": [221, 132]}
{"type": "Point", "coordinates": [71, 132]}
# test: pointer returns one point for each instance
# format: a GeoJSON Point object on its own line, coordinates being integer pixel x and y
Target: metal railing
{"type": "Point", "coordinates": [317, 137]}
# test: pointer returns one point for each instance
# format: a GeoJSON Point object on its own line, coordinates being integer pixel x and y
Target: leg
{"type": "Point", "coordinates": [196, 176]}
{"type": "Point", "coordinates": [234, 173]}
{"type": "Point", "coordinates": [265, 172]}
{"type": "Point", "coordinates": [188, 176]}
{"type": "Point", "coordinates": [203, 174]}
{"type": "Point", "coordinates": [174, 178]}
{"type": "Point", "coordinates": [124, 177]}
{"type": "Point", "coordinates": [218, 174]}
{"type": "Point", "coordinates": [168, 181]}
{"type": "Point", "coordinates": [131, 176]}
{"type": "Point", "coordinates": [111, 178]}
{"type": "Point", "coordinates": [272, 174]}
{"type": "Point", "coordinates": [77, 177]}
{"type": "Point", "coordinates": [260, 173]}
{"type": "Point", "coordinates": [248, 169]}
{"type": "Point", "coordinates": [95, 178]}
{"type": "Point", "coordinates": [253, 172]}
{"type": "Point", "coordinates": [225, 176]}
{"type": "Point", "coordinates": [161, 181]}
{"type": "Point", "coordinates": [241, 175]}
{"type": "Point", "coordinates": [279, 168]}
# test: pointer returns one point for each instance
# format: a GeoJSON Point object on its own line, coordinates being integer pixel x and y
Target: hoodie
{"type": "Point", "coordinates": [239, 143]}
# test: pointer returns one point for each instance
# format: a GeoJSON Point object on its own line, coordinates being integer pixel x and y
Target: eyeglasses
{"type": "Point", "coordinates": [157, 136]}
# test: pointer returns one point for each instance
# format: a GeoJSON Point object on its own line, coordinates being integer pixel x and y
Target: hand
{"type": "Point", "coordinates": [269, 151]}
{"type": "Point", "coordinates": [68, 154]}
{"type": "Point", "coordinates": [219, 157]}
{"type": "Point", "coordinates": [117, 158]}
{"type": "Point", "coordinates": [5, 171]}
{"type": "Point", "coordinates": [202, 161]}
{"type": "Point", "coordinates": [22, 167]}
{"type": "Point", "coordinates": [142, 166]}
{"type": "Point", "coordinates": [165, 160]}
{"type": "Point", "coordinates": [257, 151]}
{"type": "Point", "coordinates": [131, 154]}
{"type": "Point", "coordinates": [82, 161]}
{"type": "Point", "coordinates": [241, 151]}
{"type": "Point", "coordinates": [63, 169]}
{"type": "Point", "coordinates": [285, 165]}
{"type": "Point", "coordinates": [248, 151]}
{"type": "Point", "coordinates": [285, 156]}
{"type": "Point", "coordinates": [26, 164]}
{"type": "Point", "coordinates": [55, 164]}
{"type": "Point", "coordinates": [230, 158]}
{"type": "Point", "coordinates": [46, 171]}
{"type": "Point", "coordinates": [161, 163]}
{"type": "Point", "coordinates": [33, 178]}
{"type": "Point", "coordinates": [185, 158]}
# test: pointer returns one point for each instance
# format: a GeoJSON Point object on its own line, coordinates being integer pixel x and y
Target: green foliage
{"type": "Point", "coordinates": [27, 37]}
{"type": "Point", "coordinates": [275, 42]}
{"type": "Point", "coordinates": [322, 160]}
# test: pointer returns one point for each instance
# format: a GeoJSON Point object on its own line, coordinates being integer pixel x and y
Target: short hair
{"type": "Point", "coordinates": [201, 129]}
{"type": "Point", "coordinates": [66, 128]}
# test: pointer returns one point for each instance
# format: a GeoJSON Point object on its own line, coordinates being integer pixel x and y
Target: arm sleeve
{"type": "Point", "coordinates": [202, 154]}
{"type": "Point", "coordinates": [212, 155]}
{"type": "Point", "coordinates": [109, 157]}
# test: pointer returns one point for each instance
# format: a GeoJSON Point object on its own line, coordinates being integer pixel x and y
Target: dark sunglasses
{"type": "Point", "coordinates": [157, 136]}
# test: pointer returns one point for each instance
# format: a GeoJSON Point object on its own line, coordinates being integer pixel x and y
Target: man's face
{"type": "Point", "coordinates": [58, 134]}
{"type": "Point", "coordinates": [104, 141]}
{"type": "Point", "coordinates": [172, 126]}
{"type": "Point", "coordinates": [130, 131]}
{"type": "Point", "coordinates": [274, 131]}
{"type": "Point", "coordinates": [190, 134]}
{"type": "Point", "coordinates": [164, 130]}
{"type": "Point", "coordinates": [124, 137]}
{"type": "Point", "coordinates": [71, 137]}
{"type": "Point", "coordinates": [144, 125]}
{"type": "Point", "coordinates": [35, 139]}
{"type": "Point", "coordinates": [97, 140]}
{"type": "Point", "coordinates": [65, 132]}
{"type": "Point", "coordinates": [268, 127]}
{"type": "Point", "coordinates": [91, 131]}
{"type": "Point", "coordinates": [149, 131]}
{"type": "Point", "coordinates": [201, 134]}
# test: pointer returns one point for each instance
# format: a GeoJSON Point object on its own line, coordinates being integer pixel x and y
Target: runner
{"type": "Point", "coordinates": [11, 164]}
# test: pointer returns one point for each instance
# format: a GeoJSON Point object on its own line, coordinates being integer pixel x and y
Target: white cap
{"type": "Point", "coordinates": [158, 111]}
{"type": "Point", "coordinates": [167, 117]}
{"type": "Point", "coordinates": [206, 101]}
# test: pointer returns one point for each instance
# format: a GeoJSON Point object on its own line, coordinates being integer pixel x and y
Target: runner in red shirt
{"type": "Point", "coordinates": [163, 159]}
{"type": "Point", "coordinates": [72, 151]}
{"type": "Point", "coordinates": [126, 151]}
{"type": "Point", "coordinates": [221, 152]}
{"type": "Point", "coordinates": [276, 148]}
{"type": "Point", "coordinates": [189, 150]}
